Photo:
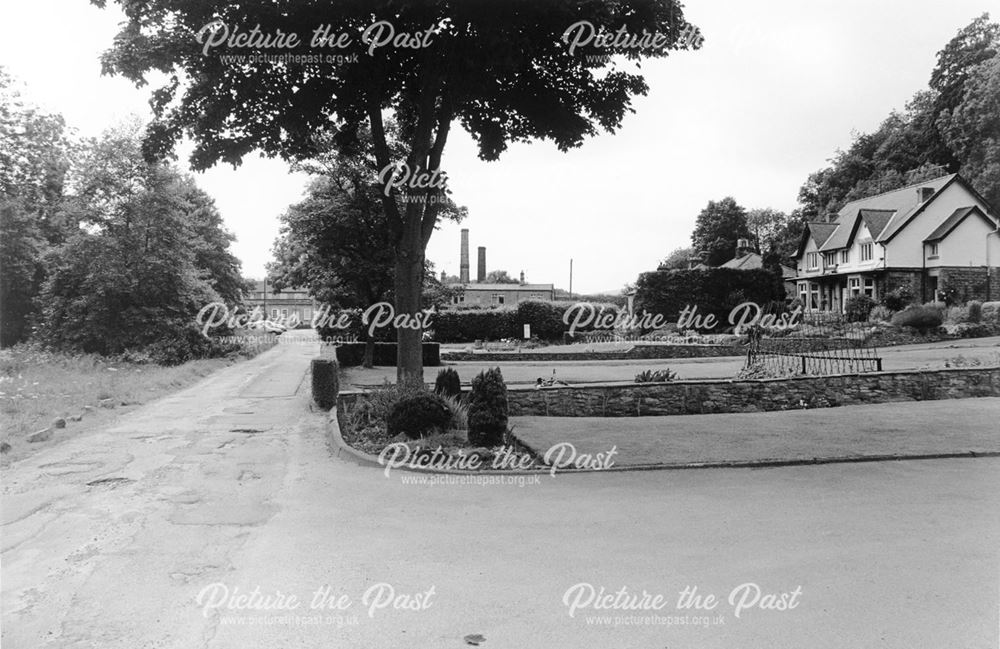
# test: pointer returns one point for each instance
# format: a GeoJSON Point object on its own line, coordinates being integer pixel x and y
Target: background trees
{"type": "Point", "coordinates": [717, 229]}
{"type": "Point", "coordinates": [949, 127]}
{"type": "Point", "coordinates": [499, 69]}
{"type": "Point", "coordinates": [101, 251]}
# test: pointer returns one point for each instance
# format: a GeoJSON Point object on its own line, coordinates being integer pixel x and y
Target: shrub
{"type": "Point", "coordinates": [418, 415]}
{"type": "Point", "coordinates": [955, 315]}
{"type": "Point", "coordinates": [918, 317]}
{"type": "Point", "coordinates": [488, 409]}
{"type": "Point", "coordinates": [459, 412]}
{"type": "Point", "coordinates": [858, 308]}
{"type": "Point", "coordinates": [898, 298]}
{"type": "Point", "coordinates": [880, 314]}
{"type": "Point", "coordinates": [975, 308]}
{"type": "Point", "coordinates": [968, 330]}
{"type": "Point", "coordinates": [655, 376]}
{"type": "Point", "coordinates": [448, 384]}
{"type": "Point", "coordinates": [324, 382]}
{"type": "Point", "coordinates": [990, 313]}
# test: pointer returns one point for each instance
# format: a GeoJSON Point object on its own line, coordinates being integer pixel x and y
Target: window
{"type": "Point", "coordinates": [274, 313]}
{"type": "Point", "coordinates": [934, 250]}
{"type": "Point", "coordinates": [812, 260]}
{"type": "Point", "coordinates": [866, 252]}
{"type": "Point", "coordinates": [284, 313]}
{"type": "Point", "coordinates": [814, 296]}
{"type": "Point", "coordinates": [497, 298]}
{"type": "Point", "coordinates": [829, 259]}
{"type": "Point", "coordinates": [845, 256]}
{"type": "Point", "coordinates": [870, 287]}
{"type": "Point", "coordinates": [536, 296]}
{"type": "Point", "coordinates": [855, 286]}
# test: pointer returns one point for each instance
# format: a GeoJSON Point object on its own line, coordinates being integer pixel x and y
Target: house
{"type": "Point", "coordinates": [291, 306]}
{"type": "Point", "coordinates": [747, 258]}
{"type": "Point", "coordinates": [934, 237]}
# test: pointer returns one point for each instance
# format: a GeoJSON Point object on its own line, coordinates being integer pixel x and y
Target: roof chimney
{"type": "Point", "coordinates": [522, 277]}
{"type": "Point", "coordinates": [463, 268]}
{"type": "Point", "coordinates": [481, 271]}
{"type": "Point", "coordinates": [743, 247]}
{"type": "Point", "coordinates": [925, 193]}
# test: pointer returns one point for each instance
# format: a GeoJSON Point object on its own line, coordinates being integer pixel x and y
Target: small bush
{"type": "Point", "coordinates": [989, 313]}
{"type": "Point", "coordinates": [459, 412]}
{"type": "Point", "coordinates": [918, 317]}
{"type": "Point", "coordinates": [324, 382]}
{"type": "Point", "coordinates": [880, 314]}
{"type": "Point", "coordinates": [956, 315]}
{"type": "Point", "coordinates": [655, 376]}
{"type": "Point", "coordinates": [448, 384]}
{"type": "Point", "coordinates": [488, 409]}
{"type": "Point", "coordinates": [975, 308]}
{"type": "Point", "coordinates": [898, 298]}
{"type": "Point", "coordinates": [858, 308]}
{"type": "Point", "coordinates": [418, 415]}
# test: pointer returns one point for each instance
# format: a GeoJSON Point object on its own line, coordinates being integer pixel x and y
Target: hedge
{"type": "Point", "coordinates": [713, 291]}
{"type": "Point", "coordinates": [384, 354]}
{"type": "Point", "coordinates": [545, 318]}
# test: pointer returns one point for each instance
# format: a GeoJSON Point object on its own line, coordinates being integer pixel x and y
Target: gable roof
{"type": "Point", "coordinates": [818, 231]}
{"type": "Point", "coordinates": [953, 221]}
{"type": "Point", "coordinates": [876, 220]}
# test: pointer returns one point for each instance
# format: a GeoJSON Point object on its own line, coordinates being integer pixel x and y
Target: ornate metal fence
{"type": "Point", "coordinates": [821, 344]}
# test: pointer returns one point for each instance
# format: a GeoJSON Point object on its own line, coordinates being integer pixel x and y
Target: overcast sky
{"type": "Point", "coordinates": [778, 86]}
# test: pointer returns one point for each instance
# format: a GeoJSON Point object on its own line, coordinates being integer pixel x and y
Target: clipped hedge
{"type": "Point", "coordinates": [712, 290]}
{"type": "Point", "coordinates": [324, 382]}
{"type": "Point", "coordinates": [384, 354]}
{"type": "Point", "coordinates": [545, 318]}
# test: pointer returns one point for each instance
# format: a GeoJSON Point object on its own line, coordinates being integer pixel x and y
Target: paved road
{"type": "Point", "coordinates": [109, 538]}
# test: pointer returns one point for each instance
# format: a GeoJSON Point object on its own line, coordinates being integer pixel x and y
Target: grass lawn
{"type": "Point", "coordinates": [922, 427]}
{"type": "Point", "coordinates": [37, 387]}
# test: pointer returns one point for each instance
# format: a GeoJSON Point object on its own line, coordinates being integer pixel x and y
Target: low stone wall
{"type": "Point", "coordinates": [637, 352]}
{"type": "Point", "coordinates": [703, 397]}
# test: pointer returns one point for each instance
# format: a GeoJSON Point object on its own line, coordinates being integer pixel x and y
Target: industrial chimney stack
{"type": "Point", "coordinates": [463, 268]}
{"type": "Point", "coordinates": [481, 272]}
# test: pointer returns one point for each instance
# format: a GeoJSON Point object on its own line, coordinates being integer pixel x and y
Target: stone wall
{"type": "Point", "coordinates": [636, 352]}
{"type": "Point", "coordinates": [970, 283]}
{"type": "Point", "coordinates": [894, 279]}
{"type": "Point", "coordinates": [702, 397]}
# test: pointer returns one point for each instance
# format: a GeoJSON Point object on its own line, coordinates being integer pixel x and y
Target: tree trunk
{"type": "Point", "coordinates": [368, 360]}
{"type": "Point", "coordinates": [408, 288]}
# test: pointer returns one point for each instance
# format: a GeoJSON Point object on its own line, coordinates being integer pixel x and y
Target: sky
{"type": "Point", "coordinates": [776, 89]}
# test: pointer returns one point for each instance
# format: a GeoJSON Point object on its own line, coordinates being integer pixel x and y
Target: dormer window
{"type": "Point", "coordinates": [867, 250]}
{"type": "Point", "coordinates": [845, 256]}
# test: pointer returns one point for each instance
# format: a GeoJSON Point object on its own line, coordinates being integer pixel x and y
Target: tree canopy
{"type": "Point", "coordinates": [717, 229]}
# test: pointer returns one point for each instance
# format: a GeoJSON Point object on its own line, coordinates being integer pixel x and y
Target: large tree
{"type": "Point", "coordinates": [717, 229]}
{"type": "Point", "coordinates": [505, 71]}
{"type": "Point", "coordinates": [35, 154]}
